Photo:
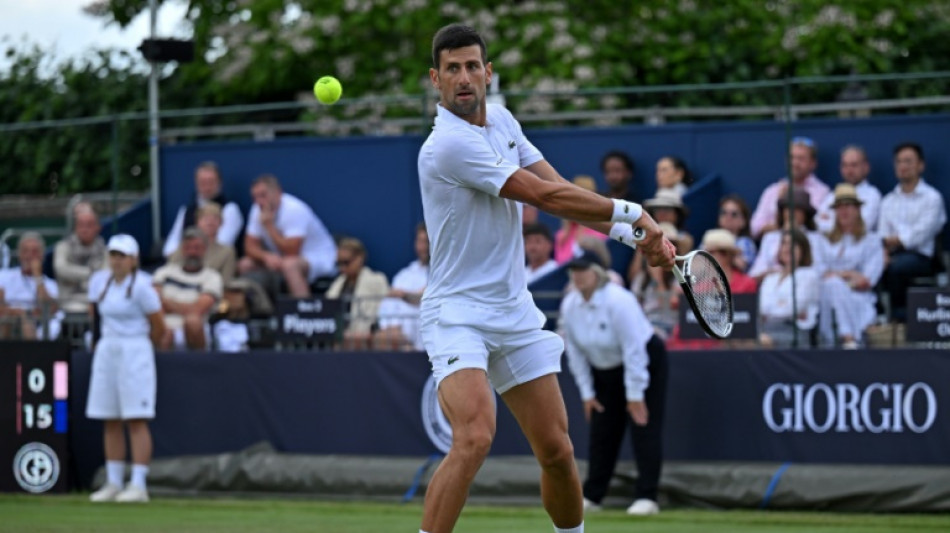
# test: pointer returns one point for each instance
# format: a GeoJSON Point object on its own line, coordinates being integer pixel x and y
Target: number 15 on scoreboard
{"type": "Point", "coordinates": [39, 406]}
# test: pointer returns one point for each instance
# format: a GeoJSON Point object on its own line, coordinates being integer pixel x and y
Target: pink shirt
{"type": "Point", "coordinates": [566, 238]}
{"type": "Point", "coordinates": [767, 209]}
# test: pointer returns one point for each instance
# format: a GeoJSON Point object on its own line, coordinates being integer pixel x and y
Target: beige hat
{"type": "Point", "coordinates": [585, 182]}
{"type": "Point", "coordinates": [667, 198]}
{"type": "Point", "coordinates": [845, 193]}
{"type": "Point", "coordinates": [719, 239]}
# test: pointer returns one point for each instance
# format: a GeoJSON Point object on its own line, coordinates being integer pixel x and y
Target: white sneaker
{"type": "Point", "coordinates": [590, 506]}
{"type": "Point", "coordinates": [106, 493]}
{"type": "Point", "coordinates": [132, 494]}
{"type": "Point", "coordinates": [643, 507]}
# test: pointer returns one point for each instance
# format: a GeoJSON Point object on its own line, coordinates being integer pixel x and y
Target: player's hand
{"type": "Point", "coordinates": [658, 250]}
{"type": "Point", "coordinates": [638, 411]}
{"type": "Point", "coordinates": [590, 406]}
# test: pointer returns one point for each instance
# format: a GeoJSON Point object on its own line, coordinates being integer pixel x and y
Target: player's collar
{"type": "Point", "coordinates": [451, 118]}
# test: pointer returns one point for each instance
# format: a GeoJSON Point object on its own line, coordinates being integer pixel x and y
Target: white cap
{"type": "Point", "coordinates": [123, 243]}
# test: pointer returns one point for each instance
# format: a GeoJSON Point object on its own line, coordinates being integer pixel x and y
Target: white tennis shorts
{"type": "Point", "coordinates": [122, 385]}
{"type": "Point", "coordinates": [507, 342]}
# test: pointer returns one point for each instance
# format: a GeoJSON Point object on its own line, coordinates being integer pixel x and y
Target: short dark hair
{"type": "Point", "coordinates": [456, 36]}
{"type": "Point", "coordinates": [536, 228]}
{"type": "Point", "coordinates": [269, 180]}
{"type": "Point", "coordinates": [622, 156]}
{"type": "Point", "coordinates": [912, 146]}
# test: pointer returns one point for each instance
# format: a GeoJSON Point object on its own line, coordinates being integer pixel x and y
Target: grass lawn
{"type": "Point", "coordinates": [74, 514]}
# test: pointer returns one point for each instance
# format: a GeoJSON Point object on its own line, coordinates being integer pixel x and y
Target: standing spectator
{"type": "Point", "coordinates": [361, 290]}
{"type": "Point", "coordinates": [538, 245]}
{"type": "Point", "coordinates": [285, 240]}
{"type": "Point", "coordinates": [27, 296]}
{"type": "Point", "coordinates": [617, 168]}
{"type": "Point", "coordinates": [854, 170]}
{"type": "Point", "coordinates": [76, 257]}
{"type": "Point", "coordinates": [788, 315]}
{"type": "Point", "coordinates": [801, 216]}
{"type": "Point", "coordinates": [804, 158]}
{"type": "Point", "coordinates": [219, 257]}
{"type": "Point", "coordinates": [122, 385]}
{"type": "Point", "coordinates": [188, 292]}
{"type": "Point", "coordinates": [399, 312]}
{"type": "Point", "coordinates": [912, 215]}
{"type": "Point", "coordinates": [208, 188]}
{"type": "Point", "coordinates": [854, 260]}
{"type": "Point", "coordinates": [619, 365]}
{"type": "Point", "coordinates": [673, 174]}
{"type": "Point", "coordinates": [734, 216]}
{"type": "Point", "coordinates": [565, 240]}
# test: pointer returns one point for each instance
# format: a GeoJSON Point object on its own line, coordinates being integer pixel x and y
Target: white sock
{"type": "Point", "coordinates": [114, 472]}
{"type": "Point", "coordinates": [138, 475]}
{"type": "Point", "coordinates": [578, 529]}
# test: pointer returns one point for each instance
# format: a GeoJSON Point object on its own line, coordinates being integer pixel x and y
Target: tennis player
{"type": "Point", "coordinates": [479, 324]}
{"type": "Point", "coordinates": [122, 385]}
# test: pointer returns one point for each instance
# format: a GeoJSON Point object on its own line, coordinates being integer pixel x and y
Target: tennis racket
{"type": "Point", "coordinates": [706, 289]}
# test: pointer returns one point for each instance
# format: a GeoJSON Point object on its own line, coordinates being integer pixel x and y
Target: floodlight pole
{"type": "Point", "coordinates": [153, 129]}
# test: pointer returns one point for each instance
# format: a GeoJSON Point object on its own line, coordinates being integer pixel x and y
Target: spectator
{"type": "Point", "coordinates": [788, 309]}
{"type": "Point", "coordinates": [285, 240]}
{"type": "Point", "coordinates": [229, 324]}
{"type": "Point", "coordinates": [620, 367]}
{"type": "Point", "coordinates": [218, 257]}
{"type": "Point", "coordinates": [673, 174]}
{"type": "Point", "coordinates": [208, 189]}
{"type": "Point", "coordinates": [538, 245]}
{"type": "Point", "coordinates": [912, 215]}
{"type": "Point", "coordinates": [667, 206]}
{"type": "Point", "coordinates": [188, 292]}
{"type": "Point", "coordinates": [565, 240]}
{"type": "Point", "coordinates": [734, 216]}
{"type": "Point", "coordinates": [361, 290]}
{"type": "Point", "coordinates": [722, 245]}
{"type": "Point", "coordinates": [27, 297]}
{"type": "Point", "coordinates": [617, 168]}
{"type": "Point", "coordinates": [76, 257]}
{"type": "Point", "coordinates": [854, 260]}
{"type": "Point", "coordinates": [399, 312]}
{"type": "Point", "coordinates": [854, 170]}
{"type": "Point", "coordinates": [801, 217]}
{"type": "Point", "coordinates": [804, 159]}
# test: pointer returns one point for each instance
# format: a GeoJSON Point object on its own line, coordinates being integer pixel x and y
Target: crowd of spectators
{"type": "Point", "coordinates": [819, 260]}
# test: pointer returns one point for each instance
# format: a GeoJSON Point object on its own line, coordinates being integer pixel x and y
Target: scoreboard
{"type": "Point", "coordinates": [34, 416]}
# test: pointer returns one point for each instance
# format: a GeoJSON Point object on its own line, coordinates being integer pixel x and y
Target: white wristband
{"type": "Point", "coordinates": [623, 232]}
{"type": "Point", "coordinates": [625, 211]}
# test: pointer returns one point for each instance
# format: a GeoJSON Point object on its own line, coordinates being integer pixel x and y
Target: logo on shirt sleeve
{"type": "Point", "coordinates": [511, 144]}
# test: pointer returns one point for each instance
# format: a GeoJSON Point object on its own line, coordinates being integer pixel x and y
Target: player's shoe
{"type": "Point", "coordinates": [590, 507]}
{"type": "Point", "coordinates": [107, 493]}
{"type": "Point", "coordinates": [643, 507]}
{"type": "Point", "coordinates": [132, 494]}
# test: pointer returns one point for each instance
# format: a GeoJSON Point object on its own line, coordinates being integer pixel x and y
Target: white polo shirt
{"type": "Point", "coordinates": [295, 219]}
{"type": "Point", "coordinates": [605, 332]}
{"type": "Point", "coordinates": [19, 290]}
{"type": "Point", "coordinates": [916, 218]}
{"type": "Point", "coordinates": [476, 246]}
{"type": "Point", "coordinates": [124, 314]}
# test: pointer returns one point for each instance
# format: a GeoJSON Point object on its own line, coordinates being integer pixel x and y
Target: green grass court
{"type": "Point", "coordinates": [74, 514]}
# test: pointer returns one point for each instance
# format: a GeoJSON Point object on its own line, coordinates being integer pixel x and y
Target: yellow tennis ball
{"type": "Point", "coordinates": [327, 90]}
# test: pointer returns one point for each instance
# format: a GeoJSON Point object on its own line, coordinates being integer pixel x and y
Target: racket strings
{"type": "Point", "coordinates": [711, 293]}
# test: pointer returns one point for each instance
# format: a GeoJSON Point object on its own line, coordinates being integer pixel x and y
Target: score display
{"type": "Point", "coordinates": [34, 416]}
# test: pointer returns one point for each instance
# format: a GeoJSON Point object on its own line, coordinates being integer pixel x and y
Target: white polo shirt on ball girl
{"type": "Point", "coordinates": [122, 385]}
{"type": "Point", "coordinates": [476, 311]}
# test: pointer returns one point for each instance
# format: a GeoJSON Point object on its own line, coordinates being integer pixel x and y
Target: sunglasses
{"type": "Point", "coordinates": [728, 213]}
{"type": "Point", "coordinates": [805, 141]}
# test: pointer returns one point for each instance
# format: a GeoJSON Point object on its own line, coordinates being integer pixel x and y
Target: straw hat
{"type": "Point", "coordinates": [667, 198]}
{"type": "Point", "coordinates": [845, 193]}
{"type": "Point", "coordinates": [719, 239]}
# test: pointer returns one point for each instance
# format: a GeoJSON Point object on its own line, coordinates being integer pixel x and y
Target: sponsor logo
{"type": "Point", "coordinates": [845, 407]}
{"type": "Point", "coordinates": [436, 424]}
{"type": "Point", "coordinates": [511, 144]}
{"type": "Point", "coordinates": [453, 359]}
{"type": "Point", "coordinates": [36, 467]}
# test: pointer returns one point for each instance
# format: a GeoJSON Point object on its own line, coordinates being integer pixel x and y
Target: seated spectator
{"type": "Point", "coordinates": [189, 292]}
{"type": "Point", "coordinates": [208, 189]}
{"type": "Point", "coordinates": [853, 259]}
{"type": "Point", "coordinates": [617, 168]}
{"type": "Point", "coordinates": [912, 215]}
{"type": "Point", "coordinates": [219, 257]}
{"type": "Point", "coordinates": [28, 307]}
{"type": "Point", "coordinates": [538, 245]}
{"type": "Point", "coordinates": [667, 206]}
{"type": "Point", "coordinates": [361, 290]}
{"type": "Point", "coordinates": [734, 217]}
{"type": "Point", "coordinates": [801, 216]}
{"type": "Point", "coordinates": [673, 174]}
{"type": "Point", "coordinates": [854, 170]}
{"type": "Point", "coordinates": [399, 311]}
{"type": "Point", "coordinates": [76, 257]}
{"type": "Point", "coordinates": [284, 241]}
{"type": "Point", "coordinates": [804, 158]}
{"type": "Point", "coordinates": [788, 313]}
{"type": "Point", "coordinates": [565, 240]}
{"type": "Point", "coordinates": [657, 290]}
{"type": "Point", "coordinates": [229, 323]}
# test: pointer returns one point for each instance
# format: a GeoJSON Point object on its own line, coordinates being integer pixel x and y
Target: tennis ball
{"type": "Point", "coordinates": [327, 90]}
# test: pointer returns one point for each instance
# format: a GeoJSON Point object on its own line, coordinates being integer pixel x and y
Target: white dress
{"type": "Point", "coordinates": [843, 308]}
